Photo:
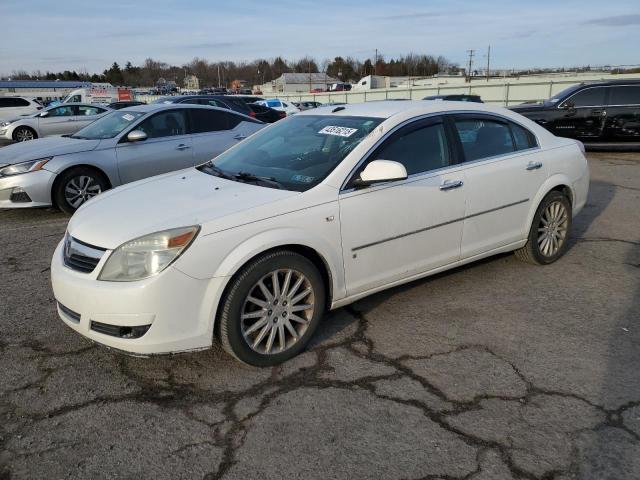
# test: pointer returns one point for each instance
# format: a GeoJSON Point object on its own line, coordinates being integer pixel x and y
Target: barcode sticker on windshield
{"type": "Point", "coordinates": [128, 117]}
{"type": "Point", "coordinates": [339, 131]}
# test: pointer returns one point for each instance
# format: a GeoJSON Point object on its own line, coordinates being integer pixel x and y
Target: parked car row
{"type": "Point", "coordinates": [309, 214]}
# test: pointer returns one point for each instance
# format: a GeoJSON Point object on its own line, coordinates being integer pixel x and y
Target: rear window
{"type": "Point", "coordinates": [625, 95]}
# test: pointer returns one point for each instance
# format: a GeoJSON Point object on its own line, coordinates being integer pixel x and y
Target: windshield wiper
{"type": "Point", "coordinates": [266, 181]}
{"type": "Point", "coordinates": [216, 171]}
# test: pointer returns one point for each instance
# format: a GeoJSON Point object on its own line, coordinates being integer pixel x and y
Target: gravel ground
{"type": "Point", "coordinates": [497, 370]}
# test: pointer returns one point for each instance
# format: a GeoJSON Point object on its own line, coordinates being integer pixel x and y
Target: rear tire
{"type": "Point", "coordinates": [271, 308]}
{"type": "Point", "coordinates": [24, 134]}
{"type": "Point", "coordinates": [77, 185]}
{"type": "Point", "coordinates": [549, 231]}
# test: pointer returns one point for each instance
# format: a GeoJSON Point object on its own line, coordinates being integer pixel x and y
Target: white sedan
{"type": "Point", "coordinates": [310, 214]}
{"type": "Point", "coordinates": [280, 105]}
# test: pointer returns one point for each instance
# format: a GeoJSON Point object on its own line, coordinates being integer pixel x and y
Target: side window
{"type": "Point", "coordinates": [84, 110]}
{"type": "Point", "coordinates": [205, 120]}
{"type": "Point", "coordinates": [67, 111]}
{"type": "Point", "coordinates": [4, 103]}
{"type": "Point", "coordinates": [589, 97]}
{"type": "Point", "coordinates": [164, 124]}
{"type": "Point", "coordinates": [419, 149]}
{"type": "Point", "coordinates": [625, 95]}
{"type": "Point", "coordinates": [483, 138]}
{"type": "Point", "coordinates": [522, 137]}
{"type": "Point", "coordinates": [21, 102]}
{"type": "Point", "coordinates": [76, 98]}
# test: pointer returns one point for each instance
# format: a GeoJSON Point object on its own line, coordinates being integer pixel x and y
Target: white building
{"type": "Point", "coordinates": [298, 83]}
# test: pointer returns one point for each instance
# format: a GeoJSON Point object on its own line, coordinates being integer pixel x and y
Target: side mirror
{"type": "Point", "coordinates": [136, 136]}
{"type": "Point", "coordinates": [381, 171]}
{"type": "Point", "coordinates": [44, 114]}
{"type": "Point", "coordinates": [568, 105]}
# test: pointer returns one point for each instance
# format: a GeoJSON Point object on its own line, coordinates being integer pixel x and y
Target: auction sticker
{"type": "Point", "coordinates": [128, 117]}
{"type": "Point", "coordinates": [338, 131]}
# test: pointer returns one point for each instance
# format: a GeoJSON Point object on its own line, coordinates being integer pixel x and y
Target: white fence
{"type": "Point", "coordinates": [497, 93]}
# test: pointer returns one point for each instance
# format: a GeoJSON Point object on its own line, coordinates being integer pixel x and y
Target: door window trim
{"type": "Point", "coordinates": [123, 139]}
{"type": "Point", "coordinates": [606, 98]}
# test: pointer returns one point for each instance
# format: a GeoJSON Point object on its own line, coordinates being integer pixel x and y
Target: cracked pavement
{"type": "Point", "coordinates": [496, 370]}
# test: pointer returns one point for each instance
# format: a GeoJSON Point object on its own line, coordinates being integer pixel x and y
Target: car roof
{"type": "Point", "coordinates": [388, 108]}
{"type": "Point", "coordinates": [592, 83]}
{"type": "Point", "coordinates": [154, 107]}
{"type": "Point", "coordinates": [82, 104]}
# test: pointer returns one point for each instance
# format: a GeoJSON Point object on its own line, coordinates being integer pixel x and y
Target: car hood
{"type": "Point", "coordinates": [528, 107]}
{"type": "Point", "coordinates": [178, 199]}
{"type": "Point", "coordinates": [44, 147]}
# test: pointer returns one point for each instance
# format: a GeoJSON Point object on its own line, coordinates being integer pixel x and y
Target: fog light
{"type": "Point", "coordinates": [18, 195]}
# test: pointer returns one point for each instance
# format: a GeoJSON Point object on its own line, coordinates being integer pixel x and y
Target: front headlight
{"type": "Point", "coordinates": [5, 124]}
{"type": "Point", "coordinates": [24, 167]}
{"type": "Point", "coordinates": [147, 256]}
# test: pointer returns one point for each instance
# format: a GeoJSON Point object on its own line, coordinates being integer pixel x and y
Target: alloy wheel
{"type": "Point", "coordinates": [277, 311]}
{"type": "Point", "coordinates": [80, 189]}
{"type": "Point", "coordinates": [552, 230]}
{"type": "Point", "coordinates": [24, 135]}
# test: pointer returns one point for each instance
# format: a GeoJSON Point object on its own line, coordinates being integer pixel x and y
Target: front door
{"type": "Point", "coordinates": [58, 121]}
{"type": "Point", "coordinates": [168, 147]}
{"type": "Point", "coordinates": [582, 115]}
{"type": "Point", "coordinates": [396, 230]}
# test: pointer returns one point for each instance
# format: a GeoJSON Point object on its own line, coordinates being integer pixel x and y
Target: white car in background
{"type": "Point", "coordinates": [280, 105]}
{"type": "Point", "coordinates": [62, 119]}
{"type": "Point", "coordinates": [312, 213]}
{"type": "Point", "coordinates": [11, 107]}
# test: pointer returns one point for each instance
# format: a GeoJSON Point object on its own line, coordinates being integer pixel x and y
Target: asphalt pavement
{"type": "Point", "coordinates": [496, 370]}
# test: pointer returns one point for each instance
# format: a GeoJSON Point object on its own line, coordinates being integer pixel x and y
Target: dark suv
{"type": "Point", "coordinates": [592, 112]}
{"type": "Point", "coordinates": [222, 101]}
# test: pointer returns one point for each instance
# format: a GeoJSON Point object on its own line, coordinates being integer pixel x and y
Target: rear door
{"type": "Point", "coordinates": [623, 113]}
{"type": "Point", "coordinates": [582, 115]}
{"type": "Point", "coordinates": [214, 131]}
{"type": "Point", "coordinates": [85, 114]}
{"type": "Point", "coordinates": [168, 147]}
{"type": "Point", "coordinates": [503, 169]}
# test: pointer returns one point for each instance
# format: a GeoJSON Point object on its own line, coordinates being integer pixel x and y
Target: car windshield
{"type": "Point", "coordinates": [108, 126]}
{"type": "Point", "coordinates": [296, 153]}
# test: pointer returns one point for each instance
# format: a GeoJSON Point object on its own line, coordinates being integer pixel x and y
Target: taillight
{"type": "Point", "coordinates": [39, 108]}
{"type": "Point", "coordinates": [282, 114]}
{"type": "Point", "coordinates": [252, 114]}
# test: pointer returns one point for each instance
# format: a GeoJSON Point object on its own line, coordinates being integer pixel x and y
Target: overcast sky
{"type": "Point", "coordinates": [90, 35]}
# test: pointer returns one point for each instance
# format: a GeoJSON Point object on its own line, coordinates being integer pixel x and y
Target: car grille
{"type": "Point", "coordinates": [81, 256]}
{"type": "Point", "coordinates": [74, 316]}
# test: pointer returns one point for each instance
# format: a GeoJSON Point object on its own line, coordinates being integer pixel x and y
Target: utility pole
{"type": "Point", "coordinates": [218, 75]}
{"type": "Point", "coordinates": [309, 66]}
{"type": "Point", "coordinates": [471, 54]}
{"type": "Point", "coordinates": [375, 62]}
{"type": "Point", "coordinates": [488, 60]}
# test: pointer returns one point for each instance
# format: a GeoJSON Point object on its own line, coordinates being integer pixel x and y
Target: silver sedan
{"type": "Point", "coordinates": [121, 147]}
{"type": "Point", "coordinates": [63, 119]}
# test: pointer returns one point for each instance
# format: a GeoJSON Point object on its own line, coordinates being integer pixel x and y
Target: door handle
{"type": "Point", "coordinates": [534, 165]}
{"type": "Point", "coordinates": [182, 146]}
{"type": "Point", "coordinates": [239, 137]}
{"type": "Point", "coordinates": [599, 112]}
{"type": "Point", "coordinates": [451, 184]}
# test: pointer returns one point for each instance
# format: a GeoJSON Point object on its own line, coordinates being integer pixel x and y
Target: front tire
{"type": "Point", "coordinates": [24, 134]}
{"type": "Point", "coordinates": [271, 308]}
{"type": "Point", "coordinates": [549, 231]}
{"type": "Point", "coordinates": [76, 186]}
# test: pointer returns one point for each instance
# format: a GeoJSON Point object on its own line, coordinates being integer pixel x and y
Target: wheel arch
{"type": "Point", "coordinates": [24, 125]}
{"type": "Point", "coordinates": [59, 174]}
{"type": "Point", "coordinates": [560, 183]}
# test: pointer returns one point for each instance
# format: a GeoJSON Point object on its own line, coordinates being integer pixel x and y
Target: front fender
{"type": "Point", "coordinates": [226, 261]}
{"type": "Point", "coordinates": [102, 160]}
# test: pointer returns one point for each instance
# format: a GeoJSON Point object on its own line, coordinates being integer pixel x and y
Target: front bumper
{"type": "Point", "coordinates": [37, 185]}
{"type": "Point", "coordinates": [179, 309]}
